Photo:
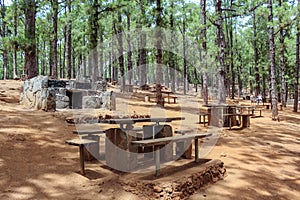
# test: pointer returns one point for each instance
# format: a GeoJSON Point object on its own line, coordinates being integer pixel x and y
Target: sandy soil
{"type": "Point", "coordinates": [262, 162]}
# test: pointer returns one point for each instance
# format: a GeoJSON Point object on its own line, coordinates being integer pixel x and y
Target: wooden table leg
{"type": "Point", "coordinates": [196, 150]}
{"type": "Point", "coordinates": [81, 156]}
{"type": "Point", "coordinates": [157, 161]}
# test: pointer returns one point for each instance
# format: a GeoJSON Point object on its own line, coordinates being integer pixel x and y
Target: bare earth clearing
{"type": "Point", "coordinates": [262, 162]}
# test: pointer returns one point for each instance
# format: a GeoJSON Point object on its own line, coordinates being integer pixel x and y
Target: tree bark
{"type": "Point", "coordinates": [221, 57]}
{"type": "Point", "coordinates": [184, 50]}
{"type": "Point", "coordinates": [94, 28]}
{"type": "Point", "coordinates": [204, 47]}
{"type": "Point", "coordinates": [272, 62]}
{"type": "Point", "coordinates": [171, 55]}
{"type": "Point", "coordinates": [15, 55]}
{"type": "Point", "coordinates": [257, 77]}
{"type": "Point", "coordinates": [129, 53]}
{"type": "Point", "coordinates": [54, 39]}
{"type": "Point", "coordinates": [159, 99]}
{"type": "Point", "coordinates": [30, 50]}
{"type": "Point", "coordinates": [296, 81]}
{"type": "Point", "coordinates": [120, 49]}
{"type": "Point", "coordinates": [69, 39]}
{"type": "Point", "coordinates": [3, 35]}
{"type": "Point", "coordinates": [282, 63]}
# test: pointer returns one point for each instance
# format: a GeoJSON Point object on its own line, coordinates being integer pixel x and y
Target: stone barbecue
{"type": "Point", "coordinates": [43, 93]}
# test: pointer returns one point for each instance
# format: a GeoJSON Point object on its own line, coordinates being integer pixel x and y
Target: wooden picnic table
{"type": "Point", "coordinates": [217, 112]}
{"type": "Point", "coordinates": [119, 152]}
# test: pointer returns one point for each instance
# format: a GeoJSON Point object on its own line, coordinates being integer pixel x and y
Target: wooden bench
{"type": "Point", "coordinates": [81, 143]}
{"type": "Point", "coordinates": [88, 132]}
{"type": "Point", "coordinates": [170, 97]}
{"type": "Point", "coordinates": [257, 110]}
{"type": "Point", "coordinates": [163, 141]}
{"type": "Point", "coordinates": [203, 115]}
{"type": "Point", "coordinates": [244, 118]}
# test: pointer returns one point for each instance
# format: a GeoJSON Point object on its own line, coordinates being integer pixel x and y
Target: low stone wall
{"type": "Point", "coordinates": [180, 188]}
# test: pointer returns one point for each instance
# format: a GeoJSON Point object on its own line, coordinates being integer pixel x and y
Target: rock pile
{"type": "Point", "coordinates": [181, 188]}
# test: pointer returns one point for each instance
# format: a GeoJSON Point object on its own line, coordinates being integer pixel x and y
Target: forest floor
{"type": "Point", "coordinates": [262, 161]}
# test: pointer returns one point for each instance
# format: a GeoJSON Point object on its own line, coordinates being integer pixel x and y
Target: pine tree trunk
{"type": "Point", "coordinates": [204, 47]}
{"type": "Point", "coordinates": [101, 54]}
{"type": "Point", "coordinates": [44, 58]}
{"type": "Point", "coordinates": [120, 49]}
{"type": "Point", "coordinates": [94, 28]}
{"type": "Point", "coordinates": [30, 50]}
{"type": "Point", "coordinates": [159, 99]}
{"type": "Point", "coordinates": [221, 58]}
{"type": "Point", "coordinates": [142, 52]}
{"type": "Point", "coordinates": [50, 57]}
{"type": "Point", "coordinates": [272, 62]}
{"type": "Point", "coordinates": [54, 40]}
{"type": "Point", "coordinates": [84, 58]}
{"type": "Point", "coordinates": [3, 34]}
{"type": "Point", "coordinates": [296, 81]}
{"type": "Point", "coordinates": [282, 63]}
{"type": "Point", "coordinates": [64, 52]}
{"type": "Point", "coordinates": [74, 63]}
{"type": "Point", "coordinates": [60, 61]}
{"type": "Point", "coordinates": [257, 78]}
{"type": "Point", "coordinates": [15, 55]}
{"type": "Point", "coordinates": [69, 40]}
{"type": "Point", "coordinates": [129, 53]}
{"type": "Point", "coordinates": [184, 44]}
{"type": "Point", "coordinates": [231, 59]}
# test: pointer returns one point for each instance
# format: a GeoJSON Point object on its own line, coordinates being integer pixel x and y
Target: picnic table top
{"type": "Point", "coordinates": [137, 120]}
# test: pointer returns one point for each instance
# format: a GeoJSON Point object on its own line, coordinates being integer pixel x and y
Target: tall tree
{"type": "Point", "coordinates": [221, 56]}
{"type": "Point", "coordinates": [204, 47]}
{"type": "Point", "coordinates": [273, 89]}
{"type": "Point", "coordinates": [54, 63]}
{"type": "Point", "coordinates": [94, 29]}
{"type": "Point", "coordinates": [184, 45]}
{"type": "Point", "coordinates": [15, 45]}
{"type": "Point", "coordinates": [296, 81]}
{"type": "Point", "coordinates": [159, 98]}
{"type": "Point", "coordinates": [129, 53]}
{"type": "Point", "coordinates": [256, 69]}
{"type": "Point", "coordinates": [120, 49]}
{"type": "Point", "coordinates": [282, 59]}
{"type": "Point", "coordinates": [3, 35]}
{"type": "Point", "coordinates": [69, 39]}
{"type": "Point", "coordinates": [142, 52]}
{"type": "Point", "coordinates": [31, 68]}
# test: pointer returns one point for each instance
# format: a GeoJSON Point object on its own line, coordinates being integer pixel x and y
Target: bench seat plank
{"type": "Point", "coordinates": [165, 140]}
{"type": "Point", "coordinates": [78, 142]}
{"type": "Point", "coordinates": [88, 132]}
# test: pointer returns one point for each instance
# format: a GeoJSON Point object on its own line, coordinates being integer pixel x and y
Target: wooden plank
{"type": "Point", "coordinates": [77, 142]}
{"type": "Point", "coordinates": [165, 140]}
{"type": "Point", "coordinates": [88, 132]}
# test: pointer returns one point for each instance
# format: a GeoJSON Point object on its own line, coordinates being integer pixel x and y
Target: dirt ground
{"type": "Point", "coordinates": [262, 161]}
